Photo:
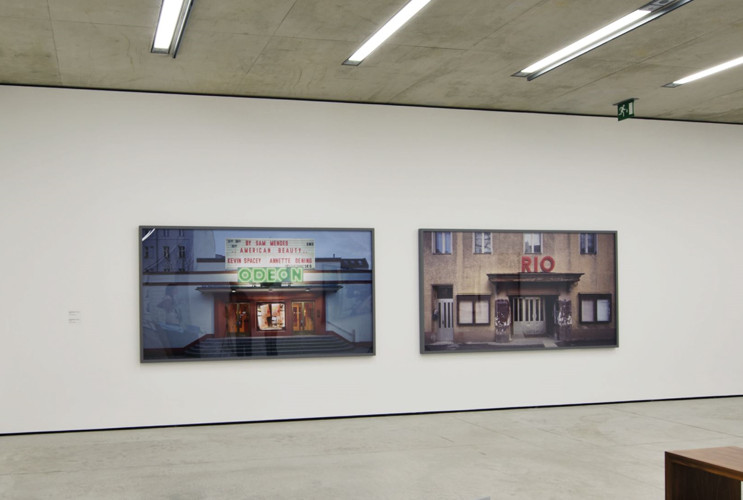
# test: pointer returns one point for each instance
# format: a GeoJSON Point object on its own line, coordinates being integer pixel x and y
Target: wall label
{"type": "Point", "coordinates": [546, 265]}
{"type": "Point", "coordinates": [74, 317]}
{"type": "Point", "coordinates": [270, 275]}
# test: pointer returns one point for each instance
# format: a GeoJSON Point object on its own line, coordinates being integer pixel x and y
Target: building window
{"type": "Point", "coordinates": [146, 252]}
{"type": "Point", "coordinates": [588, 243]}
{"type": "Point", "coordinates": [181, 233]}
{"type": "Point", "coordinates": [442, 243]}
{"type": "Point", "coordinates": [166, 253]}
{"type": "Point", "coordinates": [532, 242]}
{"type": "Point", "coordinates": [271, 316]}
{"type": "Point", "coordinates": [483, 243]}
{"type": "Point", "coordinates": [166, 232]}
{"type": "Point", "coordinates": [181, 252]}
{"type": "Point", "coordinates": [473, 309]}
{"type": "Point", "coordinates": [595, 308]}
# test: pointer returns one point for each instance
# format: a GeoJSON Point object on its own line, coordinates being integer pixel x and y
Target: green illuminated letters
{"type": "Point", "coordinates": [270, 275]}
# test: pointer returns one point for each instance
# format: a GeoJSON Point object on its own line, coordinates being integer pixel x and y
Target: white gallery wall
{"type": "Point", "coordinates": [81, 170]}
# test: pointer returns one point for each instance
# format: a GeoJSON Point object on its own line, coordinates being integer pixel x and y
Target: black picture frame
{"type": "Point", "coordinates": [529, 310]}
{"type": "Point", "coordinates": [201, 282]}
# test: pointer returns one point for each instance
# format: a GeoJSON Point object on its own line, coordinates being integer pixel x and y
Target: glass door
{"type": "Point", "coordinates": [238, 319]}
{"type": "Point", "coordinates": [303, 315]}
{"type": "Point", "coordinates": [528, 316]}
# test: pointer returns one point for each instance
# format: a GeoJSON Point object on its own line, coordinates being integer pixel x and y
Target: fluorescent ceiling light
{"type": "Point", "coordinates": [386, 31]}
{"type": "Point", "coordinates": [706, 72]}
{"type": "Point", "coordinates": [633, 20]}
{"type": "Point", "coordinates": [585, 42]}
{"type": "Point", "coordinates": [173, 17]}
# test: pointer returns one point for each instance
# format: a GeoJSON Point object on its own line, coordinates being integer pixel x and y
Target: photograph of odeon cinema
{"type": "Point", "coordinates": [513, 290]}
{"type": "Point", "coordinates": [223, 293]}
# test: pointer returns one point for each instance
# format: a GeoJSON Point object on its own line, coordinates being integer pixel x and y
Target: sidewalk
{"type": "Point", "coordinates": [515, 344]}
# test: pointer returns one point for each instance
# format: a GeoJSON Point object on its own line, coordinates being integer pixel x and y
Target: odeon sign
{"type": "Point", "coordinates": [270, 274]}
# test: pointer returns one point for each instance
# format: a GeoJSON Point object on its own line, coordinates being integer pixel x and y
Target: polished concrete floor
{"type": "Point", "coordinates": [590, 452]}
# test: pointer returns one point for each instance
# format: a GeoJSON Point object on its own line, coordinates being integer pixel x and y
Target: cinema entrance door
{"type": "Point", "coordinates": [238, 319]}
{"type": "Point", "coordinates": [303, 315]}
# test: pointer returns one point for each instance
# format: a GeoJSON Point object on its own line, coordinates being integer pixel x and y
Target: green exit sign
{"type": "Point", "coordinates": [625, 109]}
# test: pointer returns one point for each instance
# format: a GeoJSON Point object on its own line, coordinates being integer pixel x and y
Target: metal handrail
{"type": "Point", "coordinates": [351, 333]}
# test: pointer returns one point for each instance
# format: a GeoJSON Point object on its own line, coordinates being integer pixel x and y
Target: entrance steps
{"type": "Point", "coordinates": [268, 346]}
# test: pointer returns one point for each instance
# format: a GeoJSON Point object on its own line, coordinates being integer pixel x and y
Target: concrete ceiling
{"type": "Point", "coordinates": [454, 53]}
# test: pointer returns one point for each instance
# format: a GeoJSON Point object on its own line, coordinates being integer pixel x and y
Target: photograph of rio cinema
{"type": "Point", "coordinates": [513, 290]}
{"type": "Point", "coordinates": [238, 293]}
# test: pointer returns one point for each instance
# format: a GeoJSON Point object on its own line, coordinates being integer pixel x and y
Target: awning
{"type": "Point", "coordinates": [265, 289]}
{"type": "Point", "coordinates": [543, 278]}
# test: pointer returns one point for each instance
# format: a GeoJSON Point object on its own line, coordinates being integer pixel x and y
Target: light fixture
{"type": "Point", "coordinates": [644, 14]}
{"type": "Point", "coordinates": [386, 31]}
{"type": "Point", "coordinates": [173, 17]}
{"type": "Point", "coordinates": [706, 72]}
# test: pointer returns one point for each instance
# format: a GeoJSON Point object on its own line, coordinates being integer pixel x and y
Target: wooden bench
{"type": "Point", "coordinates": [705, 474]}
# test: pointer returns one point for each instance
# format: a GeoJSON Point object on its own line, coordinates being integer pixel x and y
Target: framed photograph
{"type": "Point", "coordinates": [215, 293]}
{"type": "Point", "coordinates": [492, 290]}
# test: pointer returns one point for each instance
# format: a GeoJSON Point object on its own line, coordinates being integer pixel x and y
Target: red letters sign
{"type": "Point", "coordinates": [547, 264]}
